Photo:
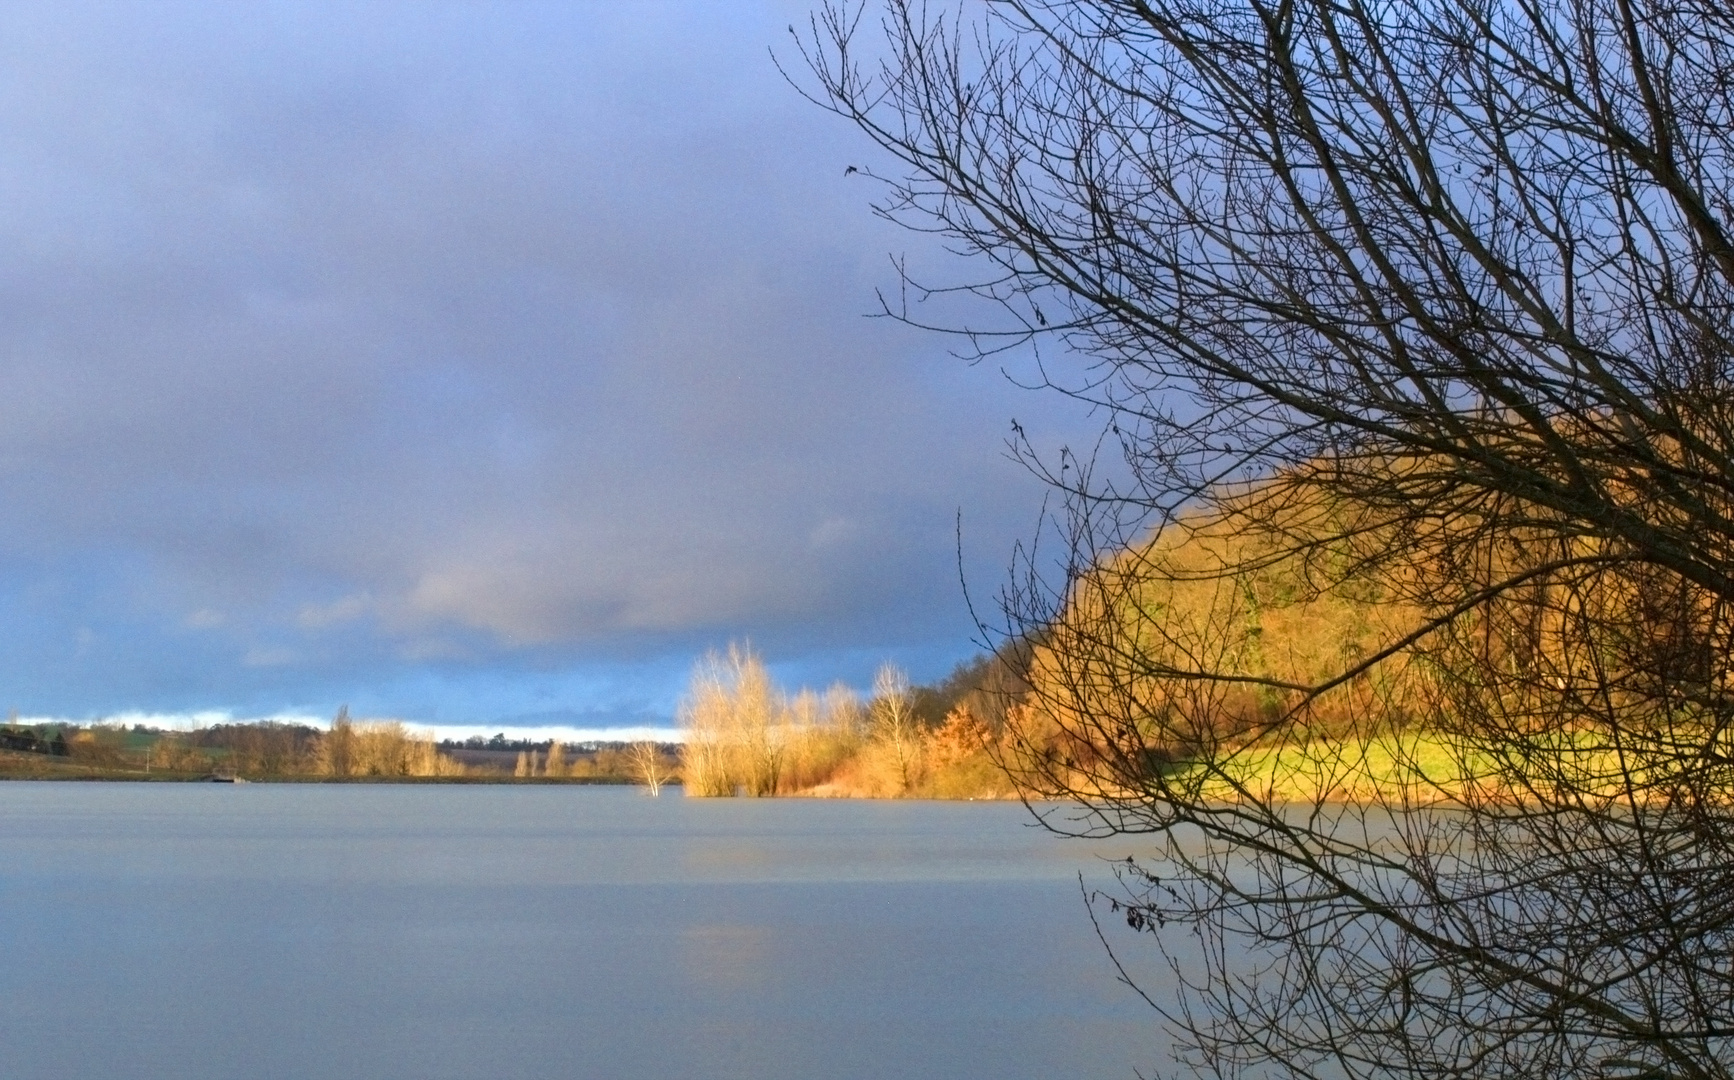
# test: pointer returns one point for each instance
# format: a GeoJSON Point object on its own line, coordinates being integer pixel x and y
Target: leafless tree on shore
{"type": "Point", "coordinates": [646, 759]}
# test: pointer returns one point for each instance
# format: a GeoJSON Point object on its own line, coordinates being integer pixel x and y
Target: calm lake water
{"type": "Point", "coordinates": [498, 932]}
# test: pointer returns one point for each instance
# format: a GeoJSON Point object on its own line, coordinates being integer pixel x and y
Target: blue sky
{"type": "Point", "coordinates": [479, 365]}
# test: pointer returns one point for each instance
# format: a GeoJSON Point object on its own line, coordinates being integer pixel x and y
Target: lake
{"type": "Point", "coordinates": [186, 931]}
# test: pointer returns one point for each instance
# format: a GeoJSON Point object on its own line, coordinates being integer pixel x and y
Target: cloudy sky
{"type": "Point", "coordinates": [473, 364]}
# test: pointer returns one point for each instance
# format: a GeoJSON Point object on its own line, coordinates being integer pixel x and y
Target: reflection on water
{"type": "Point", "coordinates": [301, 931]}
{"type": "Point", "coordinates": [727, 955]}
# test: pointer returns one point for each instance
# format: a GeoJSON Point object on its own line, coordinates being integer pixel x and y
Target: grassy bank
{"type": "Point", "coordinates": [1421, 767]}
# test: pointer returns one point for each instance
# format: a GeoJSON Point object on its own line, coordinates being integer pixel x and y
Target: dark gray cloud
{"type": "Point", "coordinates": [452, 358]}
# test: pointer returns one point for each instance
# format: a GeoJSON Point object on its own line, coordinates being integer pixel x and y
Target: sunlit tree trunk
{"type": "Point", "coordinates": [647, 761]}
{"type": "Point", "coordinates": [895, 723]}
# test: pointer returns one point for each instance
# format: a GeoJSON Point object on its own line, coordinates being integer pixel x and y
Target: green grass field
{"type": "Point", "coordinates": [1420, 767]}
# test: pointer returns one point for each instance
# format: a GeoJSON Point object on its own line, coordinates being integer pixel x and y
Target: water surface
{"type": "Point", "coordinates": [194, 931]}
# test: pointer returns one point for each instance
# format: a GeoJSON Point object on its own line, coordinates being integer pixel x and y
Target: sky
{"type": "Point", "coordinates": [476, 365]}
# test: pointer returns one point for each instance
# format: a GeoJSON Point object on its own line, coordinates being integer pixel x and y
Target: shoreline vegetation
{"type": "Point", "coordinates": [968, 736]}
{"type": "Point", "coordinates": [744, 736]}
{"type": "Point", "coordinates": [349, 751]}
{"type": "Point", "coordinates": [995, 724]}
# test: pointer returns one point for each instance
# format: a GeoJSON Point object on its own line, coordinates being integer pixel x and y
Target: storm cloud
{"type": "Point", "coordinates": [471, 363]}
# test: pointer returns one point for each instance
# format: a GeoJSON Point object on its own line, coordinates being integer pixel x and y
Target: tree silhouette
{"type": "Point", "coordinates": [1410, 329]}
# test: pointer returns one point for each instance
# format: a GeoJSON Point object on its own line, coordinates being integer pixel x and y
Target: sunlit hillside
{"type": "Point", "coordinates": [1277, 651]}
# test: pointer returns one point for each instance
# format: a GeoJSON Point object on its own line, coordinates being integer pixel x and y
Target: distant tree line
{"type": "Point", "coordinates": [595, 760]}
{"type": "Point", "coordinates": [744, 735]}
{"type": "Point", "coordinates": [267, 749]}
{"type": "Point", "coordinates": [500, 744]}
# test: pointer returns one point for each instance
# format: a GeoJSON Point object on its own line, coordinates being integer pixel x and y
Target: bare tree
{"type": "Point", "coordinates": [1417, 311]}
{"type": "Point", "coordinates": [895, 724]}
{"type": "Point", "coordinates": [337, 750]}
{"type": "Point", "coordinates": [736, 723]}
{"type": "Point", "coordinates": [646, 758]}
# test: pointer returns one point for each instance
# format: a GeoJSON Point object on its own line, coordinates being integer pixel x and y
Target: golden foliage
{"type": "Point", "coordinates": [96, 749]}
{"type": "Point", "coordinates": [172, 753]}
{"type": "Point", "coordinates": [745, 735]}
{"type": "Point", "coordinates": [383, 748]}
